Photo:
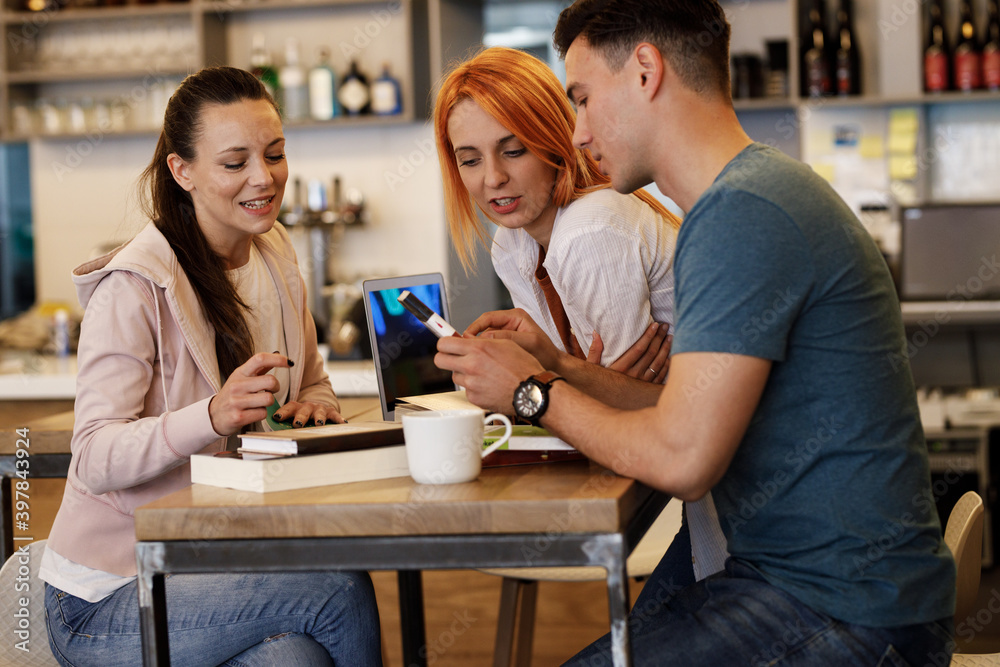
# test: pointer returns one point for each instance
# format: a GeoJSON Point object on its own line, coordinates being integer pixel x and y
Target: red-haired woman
{"type": "Point", "coordinates": [581, 259]}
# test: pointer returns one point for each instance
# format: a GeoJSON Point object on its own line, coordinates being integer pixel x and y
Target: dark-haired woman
{"type": "Point", "coordinates": [191, 330]}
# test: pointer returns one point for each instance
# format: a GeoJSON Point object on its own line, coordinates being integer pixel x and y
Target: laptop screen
{"type": "Point", "coordinates": [402, 348]}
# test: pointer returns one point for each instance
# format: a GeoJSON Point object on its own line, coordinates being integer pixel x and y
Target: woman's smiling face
{"type": "Point", "coordinates": [510, 183]}
{"type": "Point", "coordinates": [237, 177]}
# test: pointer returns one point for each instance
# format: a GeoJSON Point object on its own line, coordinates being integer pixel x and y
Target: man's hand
{"type": "Point", "coordinates": [489, 369]}
{"type": "Point", "coordinates": [648, 359]}
{"type": "Point", "coordinates": [517, 325]}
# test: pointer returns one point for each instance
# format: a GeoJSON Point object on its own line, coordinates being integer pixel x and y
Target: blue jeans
{"type": "Point", "coordinates": [736, 618]}
{"type": "Point", "coordinates": [239, 620]}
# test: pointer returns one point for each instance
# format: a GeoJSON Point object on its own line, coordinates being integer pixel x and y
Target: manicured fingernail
{"type": "Point", "coordinates": [290, 363]}
{"type": "Point", "coordinates": [320, 422]}
{"type": "Point", "coordinates": [277, 417]}
{"type": "Point", "coordinates": [298, 424]}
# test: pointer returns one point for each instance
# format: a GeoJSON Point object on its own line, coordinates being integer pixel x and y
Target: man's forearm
{"type": "Point", "coordinates": [610, 387]}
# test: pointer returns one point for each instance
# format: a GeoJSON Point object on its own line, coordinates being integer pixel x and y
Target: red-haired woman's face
{"type": "Point", "coordinates": [511, 184]}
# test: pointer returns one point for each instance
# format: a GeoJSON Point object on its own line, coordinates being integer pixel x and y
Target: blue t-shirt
{"type": "Point", "coordinates": [829, 493]}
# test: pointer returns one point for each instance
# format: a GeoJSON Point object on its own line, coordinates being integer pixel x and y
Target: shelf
{"type": "Point", "coordinates": [765, 104]}
{"type": "Point", "coordinates": [69, 136]}
{"type": "Point", "coordinates": [817, 103]}
{"type": "Point", "coordinates": [71, 77]}
{"type": "Point", "coordinates": [955, 313]}
{"type": "Point", "coordinates": [97, 13]}
{"type": "Point", "coordinates": [349, 121]}
{"type": "Point", "coordinates": [237, 6]}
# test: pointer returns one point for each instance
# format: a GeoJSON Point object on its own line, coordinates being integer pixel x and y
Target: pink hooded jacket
{"type": "Point", "coordinates": [147, 371]}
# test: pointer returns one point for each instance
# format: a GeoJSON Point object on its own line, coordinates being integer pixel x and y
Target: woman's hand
{"type": "Point", "coordinates": [517, 325]}
{"type": "Point", "coordinates": [648, 359]}
{"type": "Point", "coordinates": [247, 393]}
{"type": "Point", "coordinates": [301, 413]}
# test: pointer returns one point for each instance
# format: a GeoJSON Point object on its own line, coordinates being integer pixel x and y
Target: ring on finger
{"type": "Point", "coordinates": [653, 370]}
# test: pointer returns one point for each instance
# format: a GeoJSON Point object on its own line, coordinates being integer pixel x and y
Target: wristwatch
{"type": "Point", "coordinates": [531, 398]}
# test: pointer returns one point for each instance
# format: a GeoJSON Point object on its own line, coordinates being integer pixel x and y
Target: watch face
{"type": "Point", "coordinates": [527, 399]}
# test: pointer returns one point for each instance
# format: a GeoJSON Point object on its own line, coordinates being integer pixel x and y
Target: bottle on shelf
{"type": "Point", "coordinates": [354, 93]}
{"type": "Point", "coordinates": [937, 51]}
{"type": "Point", "coordinates": [967, 61]}
{"type": "Point", "coordinates": [387, 98]}
{"type": "Point", "coordinates": [991, 48]}
{"type": "Point", "coordinates": [848, 58]}
{"type": "Point", "coordinates": [323, 88]}
{"type": "Point", "coordinates": [294, 89]}
{"type": "Point", "coordinates": [815, 79]}
{"type": "Point", "coordinates": [261, 66]}
{"type": "Point", "coordinates": [777, 68]}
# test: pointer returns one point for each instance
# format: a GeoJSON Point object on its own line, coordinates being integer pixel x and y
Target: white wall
{"type": "Point", "coordinates": [84, 195]}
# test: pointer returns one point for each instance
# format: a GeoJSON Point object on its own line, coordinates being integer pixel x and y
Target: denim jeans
{"type": "Point", "coordinates": [239, 620]}
{"type": "Point", "coordinates": [736, 618]}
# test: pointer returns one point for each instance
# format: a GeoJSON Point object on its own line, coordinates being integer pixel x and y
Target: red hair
{"type": "Point", "coordinates": [526, 98]}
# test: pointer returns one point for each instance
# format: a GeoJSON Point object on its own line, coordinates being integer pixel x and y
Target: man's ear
{"type": "Point", "coordinates": [179, 169]}
{"type": "Point", "coordinates": [650, 67]}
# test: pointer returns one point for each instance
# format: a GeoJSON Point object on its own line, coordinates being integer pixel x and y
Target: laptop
{"type": "Point", "coordinates": [402, 348]}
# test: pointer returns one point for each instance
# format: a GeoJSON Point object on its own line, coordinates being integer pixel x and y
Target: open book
{"type": "Point", "coordinates": [446, 400]}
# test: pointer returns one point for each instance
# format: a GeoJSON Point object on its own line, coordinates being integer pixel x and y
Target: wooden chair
{"type": "Point", "coordinates": [519, 592]}
{"type": "Point", "coordinates": [15, 618]}
{"type": "Point", "coordinates": [964, 536]}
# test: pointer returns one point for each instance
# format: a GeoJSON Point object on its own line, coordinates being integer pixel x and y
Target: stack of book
{"type": "Point", "coordinates": [306, 457]}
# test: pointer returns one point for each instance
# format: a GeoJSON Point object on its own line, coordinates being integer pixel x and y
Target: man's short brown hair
{"type": "Point", "coordinates": [692, 35]}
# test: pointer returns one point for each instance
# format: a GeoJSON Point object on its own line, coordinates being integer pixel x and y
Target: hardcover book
{"type": "Point", "coordinates": [322, 439]}
{"type": "Point", "coordinates": [245, 471]}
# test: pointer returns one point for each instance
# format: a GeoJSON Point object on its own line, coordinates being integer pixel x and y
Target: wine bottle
{"type": "Point", "coordinates": [816, 54]}
{"type": "Point", "coordinates": [991, 49]}
{"type": "Point", "coordinates": [386, 96]}
{"type": "Point", "coordinates": [848, 60]}
{"type": "Point", "coordinates": [261, 66]}
{"type": "Point", "coordinates": [323, 88]}
{"type": "Point", "coordinates": [937, 52]}
{"type": "Point", "coordinates": [294, 90]}
{"type": "Point", "coordinates": [354, 94]}
{"type": "Point", "coordinates": [967, 62]}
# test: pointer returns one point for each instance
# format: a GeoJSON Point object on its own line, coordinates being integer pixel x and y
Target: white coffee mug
{"type": "Point", "coordinates": [446, 446]}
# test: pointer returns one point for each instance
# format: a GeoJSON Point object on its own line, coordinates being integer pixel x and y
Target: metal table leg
{"type": "Point", "coordinates": [621, 649]}
{"type": "Point", "coordinates": [152, 605]}
{"type": "Point", "coordinates": [411, 617]}
{"type": "Point", "coordinates": [6, 519]}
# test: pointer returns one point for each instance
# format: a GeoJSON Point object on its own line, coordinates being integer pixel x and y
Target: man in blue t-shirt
{"type": "Point", "coordinates": [786, 395]}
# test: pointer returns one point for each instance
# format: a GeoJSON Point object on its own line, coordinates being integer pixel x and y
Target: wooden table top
{"type": "Point", "coordinates": [48, 435]}
{"type": "Point", "coordinates": [567, 497]}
